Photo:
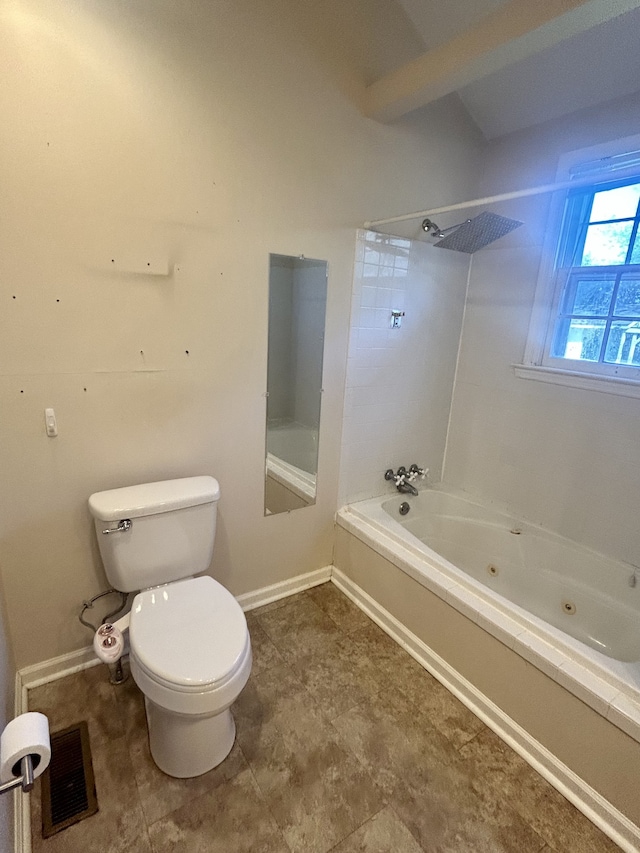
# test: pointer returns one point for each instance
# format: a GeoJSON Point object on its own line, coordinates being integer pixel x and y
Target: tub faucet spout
{"type": "Point", "coordinates": [407, 488]}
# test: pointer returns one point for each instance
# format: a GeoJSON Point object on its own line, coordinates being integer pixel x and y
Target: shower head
{"type": "Point", "coordinates": [430, 227]}
{"type": "Point", "coordinates": [476, 233]}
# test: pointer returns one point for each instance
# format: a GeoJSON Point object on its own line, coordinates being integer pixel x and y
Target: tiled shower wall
{"type": "Point", "coordinates": [565, 458]}
{"type": "Point", "coordinates": [399, 380]}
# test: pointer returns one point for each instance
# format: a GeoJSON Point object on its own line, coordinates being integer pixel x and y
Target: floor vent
{"type": "Point", "coordinates": [68, 784]}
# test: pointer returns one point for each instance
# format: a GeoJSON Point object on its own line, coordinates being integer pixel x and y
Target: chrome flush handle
{"type": "Point", "coordinates": [123, 526]}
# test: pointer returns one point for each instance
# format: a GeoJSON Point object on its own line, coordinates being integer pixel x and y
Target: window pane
{"type": "Point", "coordinates": [635, 255]}
{"type": "Point", "coordinates": [579, 339]}
{"type": "Point", "coordinates": [628, 298]}
{"type": "Point", "coordinates": [606, 245]}
{"type": "Point", "coordinates": [623, 345]}
{"type": "Point", "coordinates": [615, 204]}
{"type": "Point", "coordinates": [589, 296]}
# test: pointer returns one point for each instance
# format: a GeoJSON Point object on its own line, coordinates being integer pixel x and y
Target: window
{"type": "Point", "coordinates": [598, 272]}
{"type": "Point", "coordinates": [585, 326]}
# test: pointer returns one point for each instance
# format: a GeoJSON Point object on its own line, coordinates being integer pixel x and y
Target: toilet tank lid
{"type": "Point", "coordinates": [153, 498]}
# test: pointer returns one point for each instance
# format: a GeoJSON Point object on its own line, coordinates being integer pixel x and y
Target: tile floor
{"type": "Point", "coordinates": [344, 743]}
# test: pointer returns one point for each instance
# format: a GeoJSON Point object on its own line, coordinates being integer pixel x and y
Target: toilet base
{"type": "Point", "coordinates": [188, 745]}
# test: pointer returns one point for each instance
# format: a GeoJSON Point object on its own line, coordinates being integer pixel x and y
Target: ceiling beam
{"type": "Point", "coordinates": [518, 29]}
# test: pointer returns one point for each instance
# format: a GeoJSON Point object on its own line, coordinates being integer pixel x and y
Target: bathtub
{"type": "Point", "coordinates": [570, 611]}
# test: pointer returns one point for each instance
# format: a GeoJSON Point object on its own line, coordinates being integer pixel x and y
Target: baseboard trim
{"type": "Point", "coordinates": [55, 668]}
{"type": "Point", "coordinates": [67, 664]}
{"type": "Point", "coordinates": [585, 798]}
{"type": "Point", "coordinates": [283, 589]}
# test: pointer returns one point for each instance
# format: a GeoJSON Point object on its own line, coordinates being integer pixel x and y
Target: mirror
{"type": "Point", "coordinates": [297, 306]}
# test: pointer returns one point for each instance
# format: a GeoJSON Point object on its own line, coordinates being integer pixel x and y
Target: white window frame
{"type": "Point", "coordinates": [537, 363]}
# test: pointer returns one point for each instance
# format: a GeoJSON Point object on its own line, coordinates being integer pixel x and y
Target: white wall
{"type": "Point", "coordinates": [565, 458]}
{"type": "Point", "coordinates": [204, 134]}
{"type": "Point", "coordinates": [7, 699]}
{"type": "Point", "coordinates": [399, 381]}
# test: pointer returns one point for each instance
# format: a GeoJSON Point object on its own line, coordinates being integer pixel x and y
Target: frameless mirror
{"type": "Point", "coordinates": [297, 306]}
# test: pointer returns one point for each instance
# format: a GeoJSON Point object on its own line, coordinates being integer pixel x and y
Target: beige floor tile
{"type": "Point", "coordinates": [274, 701]}
{"type": "Point", "coordinates": [345, 743]}
{"type": "Point", "coordinates": [119, 826]}
{"type": "Point", "coordinates": [344, 612]}
{"type": "Point", "coordinates": [354, 667]}
{"type": "Point", "coordinates": [446, 815]}
{"type": "Point", "coordinates": [495, 769]}
{"type": "Point", "coordinates": [423, 779]}
{"type": "Point", "coordinates": [298, 626]}
{"type": "Point", "coordinates": [317, 791]}
{"type": "Point", "coordinates": [393, 739]}
{"type": "Point", "coordinates": [265, 654]}
{"type": "Point", "coordinates": [337, 676]}
{"type": "Point", "coordinates": [232, 818]}
{"type": "Point", "coordinates": [383, 833]}
{"type": "Point", "coordinates": [388, 662]}
{"type": "Point", "coordinates": [452, 719]}
{"type": "Point", "coordinates": [86, 695]}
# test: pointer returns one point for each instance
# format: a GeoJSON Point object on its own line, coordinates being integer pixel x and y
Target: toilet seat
{"type": "Point", "coordinates": [196, 689]}
{"type": "Point", "coordinates": [190, 645]}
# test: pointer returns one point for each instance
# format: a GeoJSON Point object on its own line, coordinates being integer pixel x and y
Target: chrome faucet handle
{"type": "Point", "coordinates": [418, 472]}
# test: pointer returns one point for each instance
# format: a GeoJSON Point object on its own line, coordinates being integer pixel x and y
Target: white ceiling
{"type": "Point", "coordinates": [591, 68]}
{"type": "Point", "coordinates": [374, 39]}
{"type": "Point", "coordinates": [438, 21]}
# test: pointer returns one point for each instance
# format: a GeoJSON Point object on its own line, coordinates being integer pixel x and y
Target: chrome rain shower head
{"type": "Point", "coordinates": [476, 233]}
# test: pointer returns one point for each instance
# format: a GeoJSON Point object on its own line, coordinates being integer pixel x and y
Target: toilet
{"type": "Point", "coordinates": [189, 646]}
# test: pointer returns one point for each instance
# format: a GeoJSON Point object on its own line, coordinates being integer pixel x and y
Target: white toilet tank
{"type": "Point", "coordinates": [170, 535]}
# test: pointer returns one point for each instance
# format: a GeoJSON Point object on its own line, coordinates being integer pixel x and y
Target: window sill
{"type": "Point", "coordinates": [577, 379]}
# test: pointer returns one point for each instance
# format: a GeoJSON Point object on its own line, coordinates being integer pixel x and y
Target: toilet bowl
{"type": "Point", "coordinates": [190, 651]}
{"type": "Point", "coordinates": [190, 655]}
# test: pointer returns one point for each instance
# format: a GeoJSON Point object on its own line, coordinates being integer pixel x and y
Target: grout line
{"type": "Point", "coordinates": [353, 832]}
{"type": "Point", "coordinates": [264, 799]}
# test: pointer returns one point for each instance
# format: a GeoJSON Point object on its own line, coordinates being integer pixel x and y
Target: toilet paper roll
{"type": "Point", "coordinates": [108, 643]}
{"type": "Point", "coordinates": [28, 734]}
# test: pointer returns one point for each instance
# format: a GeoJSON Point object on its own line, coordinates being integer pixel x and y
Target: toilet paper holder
{"type": "Point", "coordinates": [26, 780]}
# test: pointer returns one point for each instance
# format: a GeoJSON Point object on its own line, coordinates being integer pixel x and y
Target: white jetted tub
{"type": "Point", "coordinates": [569, 610]}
